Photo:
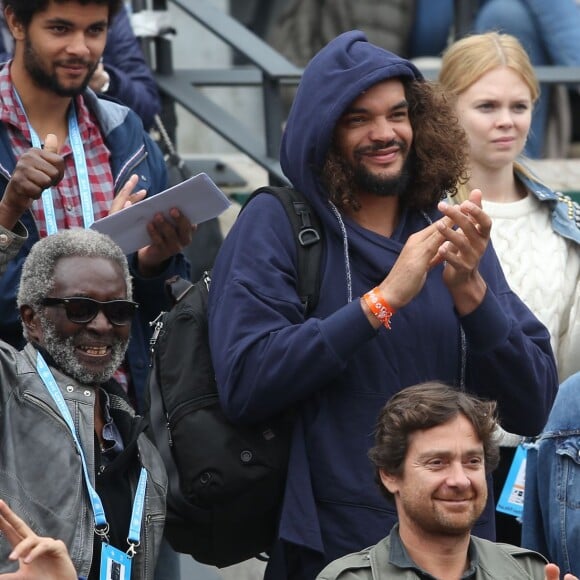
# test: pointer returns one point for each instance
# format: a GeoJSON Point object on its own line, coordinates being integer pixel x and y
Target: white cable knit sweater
{"type": "Point", "coordinates": [543, 269]}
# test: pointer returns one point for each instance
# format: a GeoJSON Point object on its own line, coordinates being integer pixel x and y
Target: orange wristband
{"type": "Point", "coordinates": [379, 306]}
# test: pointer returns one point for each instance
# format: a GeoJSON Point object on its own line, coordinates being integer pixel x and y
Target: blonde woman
{"type": "Point", "coordinates": [536, 231]}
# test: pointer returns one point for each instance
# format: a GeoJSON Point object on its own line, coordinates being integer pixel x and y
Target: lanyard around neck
{"type": "Point", "coordinates": [101, 525]}
{"type": "Point", "coordinates": [81, 170]}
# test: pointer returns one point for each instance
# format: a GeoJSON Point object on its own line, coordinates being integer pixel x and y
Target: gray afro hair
{"type": "Point", "coordinates": [37, 278]}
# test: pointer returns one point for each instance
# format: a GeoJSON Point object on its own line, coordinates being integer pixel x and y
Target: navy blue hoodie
{"type": "Point", "coordinates": [334, 366]}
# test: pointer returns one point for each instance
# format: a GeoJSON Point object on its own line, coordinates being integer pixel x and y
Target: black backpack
{"type": "Point", "coordinates": [226, 481]}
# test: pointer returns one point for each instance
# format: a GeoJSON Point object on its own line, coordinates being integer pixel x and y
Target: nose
{"type": "Point", "coordinates": [504, 118]}
{"type": "Point", "coordinates": [100, 323]}
{"type": "Point", "coordinates": [457, 477]}
{"type": "Point", "coordinates": [78, 45]}
{"type": "Point", "coordinates": [381, 130]}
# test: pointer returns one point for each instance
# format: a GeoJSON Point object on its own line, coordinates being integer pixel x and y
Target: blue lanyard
{"type": "Point", "coordinates": [81, 170]}
{"type": "Point", "coordinates": [101, 525]}
{"type": "Point", "coordinates": [137, 514]}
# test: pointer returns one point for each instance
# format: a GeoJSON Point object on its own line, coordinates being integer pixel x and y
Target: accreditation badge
{"type": "Point", "coordinates": [511, 499]}
{"type": "Point", "coordinates": [115, 565]}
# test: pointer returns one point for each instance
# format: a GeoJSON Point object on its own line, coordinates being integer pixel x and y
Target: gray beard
{"type": "Point", "coordinates": [62, 351]}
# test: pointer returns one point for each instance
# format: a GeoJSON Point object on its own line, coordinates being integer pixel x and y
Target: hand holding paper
{"type": "Point", "coordinates": [126, 197]}
{"type": "Point", "coordinates": [168, 237]}
{"type": "Point", "coordinates": [148, 222]}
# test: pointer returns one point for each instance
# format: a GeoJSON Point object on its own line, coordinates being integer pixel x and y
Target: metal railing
{"type": "Point", "coordinates": [267, 69]}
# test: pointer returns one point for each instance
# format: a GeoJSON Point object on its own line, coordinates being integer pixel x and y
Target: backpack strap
{"type": "Point", "coordinates": [307, 234]}
{"type": "Point", "coordinates": [176, 288]}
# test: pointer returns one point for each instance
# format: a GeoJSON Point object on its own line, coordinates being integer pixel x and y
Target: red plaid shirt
{"type": "Point", "coordinates": [66, 198]}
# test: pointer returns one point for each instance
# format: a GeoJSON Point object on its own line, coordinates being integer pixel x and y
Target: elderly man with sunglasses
{"type": "Point", "coordinates": [75, 461]}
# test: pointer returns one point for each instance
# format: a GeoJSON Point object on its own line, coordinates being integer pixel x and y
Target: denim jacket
{"type": "Point", "coordinates": [551, 521]}
{"type": "Point", "coordinates": [565, 212]}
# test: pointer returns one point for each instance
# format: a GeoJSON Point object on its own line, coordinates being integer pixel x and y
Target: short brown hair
{"type": "Point", "coordinates": [422, 407]}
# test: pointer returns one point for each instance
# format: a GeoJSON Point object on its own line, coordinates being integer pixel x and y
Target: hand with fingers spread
{"type": "Point", "coordinates": [126, 196]}
{"type": "Point", "coordinates": [169, 235]}
{"type": "Point", "coordinates": [39, 558]}
{"type": "Point", "coordinates": [464, 245]}
{"type": "Point", "coordinates": [35, 171]}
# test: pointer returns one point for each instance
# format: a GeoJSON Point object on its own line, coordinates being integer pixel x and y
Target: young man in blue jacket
{"type": "Point", "coordinates": [100, 146]}
{"type": "Point", "coordinates": [411, 291]}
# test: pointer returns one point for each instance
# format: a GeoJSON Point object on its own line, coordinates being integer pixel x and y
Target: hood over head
{"type": "Point", "coordinates": [332, 80]}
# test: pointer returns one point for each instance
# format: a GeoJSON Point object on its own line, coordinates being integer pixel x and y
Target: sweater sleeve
{"type": "Point", "coordinates": [260, 342]}
{"type": "Point", "coordinates": [509, 355]}
{"type": "Point", "coordinates": [569, 345]}
{"type": "Point", "coordinates": [267, 357]}
{"type": "Point", "coordinates": [10, 244]}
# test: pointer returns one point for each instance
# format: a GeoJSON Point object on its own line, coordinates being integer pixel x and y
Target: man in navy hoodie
{"type": "Point", "coordinates": [411, 291]}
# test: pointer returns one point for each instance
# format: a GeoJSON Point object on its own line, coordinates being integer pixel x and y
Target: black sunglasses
{"type": "Point", "coordinates": [81, 310]}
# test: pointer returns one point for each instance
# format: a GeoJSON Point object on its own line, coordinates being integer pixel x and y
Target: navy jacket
{"type": "Point", "coordinates": [132, 81]}
{"type": "Point", "coordinates": [334, 367]}
{"type": "Point", "coordinates": [132, 151]}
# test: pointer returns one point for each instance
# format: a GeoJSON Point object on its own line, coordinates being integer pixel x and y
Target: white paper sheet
{"type": "Point", "coordinates": [199, 198]}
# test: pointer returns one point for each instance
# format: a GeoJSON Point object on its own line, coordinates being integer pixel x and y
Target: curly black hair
{"type": "Point", "coordinates": [438, 158]}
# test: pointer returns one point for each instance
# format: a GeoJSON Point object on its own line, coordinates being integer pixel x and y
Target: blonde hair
{"type": "Point", "coordinates": [468, 59]}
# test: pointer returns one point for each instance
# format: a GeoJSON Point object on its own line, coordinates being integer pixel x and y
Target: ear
{"type": "Point", "coordinates": [32, 323]}
{"type": "Point", "coordinates": [389, 481]}
{"type": "Point", "coordinates": [16, 27]}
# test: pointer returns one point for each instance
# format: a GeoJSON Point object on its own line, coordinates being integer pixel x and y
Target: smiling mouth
{"type": "Point", "coordinates": [96, 351]}
{"type": "Point", "coordinates": [74, 67]}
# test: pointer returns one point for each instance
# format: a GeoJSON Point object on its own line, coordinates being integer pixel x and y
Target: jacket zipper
{"type": "Point", "coordinates": [121, 178]}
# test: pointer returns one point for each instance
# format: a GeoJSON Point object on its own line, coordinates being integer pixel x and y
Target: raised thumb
{"type": "Point", "coordinates": [51, 143]}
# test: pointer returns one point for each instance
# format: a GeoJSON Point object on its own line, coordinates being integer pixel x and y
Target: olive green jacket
{"type": "Point", "coordinates": [495, 561]}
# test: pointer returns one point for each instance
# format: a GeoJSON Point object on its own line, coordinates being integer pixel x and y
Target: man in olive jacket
{"type": "Point", "coordinates": [434, 446]}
